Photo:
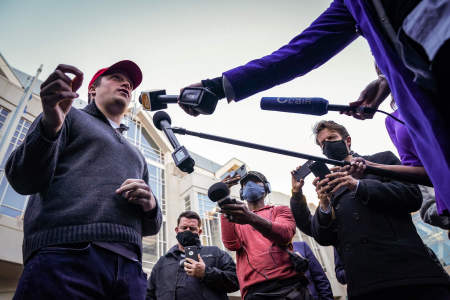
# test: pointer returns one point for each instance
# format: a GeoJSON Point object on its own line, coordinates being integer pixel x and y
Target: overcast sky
{"type": "Point", "coordinates": [179, 42]}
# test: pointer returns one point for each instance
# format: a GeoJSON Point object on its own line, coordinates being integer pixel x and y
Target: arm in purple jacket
{"type": "Point", "coordinates": [318, 276]}
{"type": "Point", "coordinates": [325, 37]}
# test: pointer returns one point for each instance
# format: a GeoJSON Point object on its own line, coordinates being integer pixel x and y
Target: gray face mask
{"type": "Point", "coordinates": [335, 149]}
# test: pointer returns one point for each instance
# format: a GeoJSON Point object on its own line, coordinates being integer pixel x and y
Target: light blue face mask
{"type": "Point", "coordinates": [253, 192]}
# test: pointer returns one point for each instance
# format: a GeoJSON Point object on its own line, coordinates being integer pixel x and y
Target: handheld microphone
{"type": "Point", "coordinates": [311, 106]}
{"type": "Point", "coordinates": [220, 193]}
{"type": "Point", "coordinates": [200, 99]}
{"type": "Point", "coordinates": [180, 156]}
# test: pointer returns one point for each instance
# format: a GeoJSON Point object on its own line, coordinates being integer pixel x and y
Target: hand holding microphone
{"type": "Point", "coordinates": [302, 105]}
{"type": "Point", "coordinates": [194, 100]}
{"type": "Point", "coordinates": [372, 96]}
{"type": "Point", "coordinates": [317, 106]}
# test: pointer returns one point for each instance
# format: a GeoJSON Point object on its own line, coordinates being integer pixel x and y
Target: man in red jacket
{"type": "Point", "coordinates": [261, 236]}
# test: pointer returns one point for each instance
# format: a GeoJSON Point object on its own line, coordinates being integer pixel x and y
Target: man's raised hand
{"type": "Point", "coordinates": [57, 95]}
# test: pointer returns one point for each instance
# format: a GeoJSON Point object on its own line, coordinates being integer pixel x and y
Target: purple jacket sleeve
{"type": "Point", "coordinates": [325, 37]}
{"type": "Point", "coordinates": [318, 276]}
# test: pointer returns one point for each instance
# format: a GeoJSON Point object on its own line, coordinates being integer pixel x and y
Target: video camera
{"type": "Point", "coordinates": [200, 99]}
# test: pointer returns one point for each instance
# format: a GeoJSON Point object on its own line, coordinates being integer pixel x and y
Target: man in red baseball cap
{"type": "Point", "coordinates": [90, 202]}
{"type": "Point", "coordinates": [111, 88]}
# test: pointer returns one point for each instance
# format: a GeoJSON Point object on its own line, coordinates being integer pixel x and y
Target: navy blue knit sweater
{"type": "Point", "coordinates": [73, 179]}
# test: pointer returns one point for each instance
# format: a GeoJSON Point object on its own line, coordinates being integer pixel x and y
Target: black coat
{"type": "Point", "coordinates": [303, 220]}
{"type": "Point", "coordinates": [220, 276]}
{"type": "Point", "coordinates": [374, 234]}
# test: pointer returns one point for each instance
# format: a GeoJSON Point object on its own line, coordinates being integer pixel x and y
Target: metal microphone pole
{"type": "Point", "coordinates": [369, 169]}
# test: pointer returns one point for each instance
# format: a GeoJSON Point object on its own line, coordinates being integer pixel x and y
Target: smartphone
{"type": "Point", "coordinates": [241, 171]}
{"type": "Point", "coordinates": [191, 252]}
{"type": "Point", "coordinates": [319, 169]}
{"type": "Point", "coordinates": [303, 171]}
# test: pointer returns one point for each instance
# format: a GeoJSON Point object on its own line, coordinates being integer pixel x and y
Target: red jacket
{"type": "Point", "coordinates": [259, 257]}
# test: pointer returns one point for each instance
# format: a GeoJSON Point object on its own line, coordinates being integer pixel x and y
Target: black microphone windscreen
{"type": "Point", "coordinates": [218, 191]}
{"type": "Point", "coordinates": [161, 116]}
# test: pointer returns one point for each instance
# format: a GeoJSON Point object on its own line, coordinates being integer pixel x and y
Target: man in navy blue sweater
{"type": "Point", "coordinates": [90, 202]}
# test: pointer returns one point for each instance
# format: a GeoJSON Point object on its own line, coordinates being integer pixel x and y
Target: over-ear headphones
{"type": "Point", "coordinates": [260, 178]}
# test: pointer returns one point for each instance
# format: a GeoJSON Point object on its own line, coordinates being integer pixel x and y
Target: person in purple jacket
{"type": "Point", "coordinates": [410, 42]}
{"type": "Point", "coordinates": [319, 286]}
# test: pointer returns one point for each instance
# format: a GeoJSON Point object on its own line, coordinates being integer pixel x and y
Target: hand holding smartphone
{"type": "Point", "coordinates": [319, 169]}
{"type": "Point", "coordinates": [191, 252]}
{"type": "Point", "coordinates": [303, 171]}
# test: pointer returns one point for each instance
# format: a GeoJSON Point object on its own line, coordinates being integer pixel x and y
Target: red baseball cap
{"type": "Point", "coordinates": [125, 66]}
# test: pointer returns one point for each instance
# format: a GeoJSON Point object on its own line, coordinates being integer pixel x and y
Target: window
{"type": "Point", "coordinates": [211, 235]}
{"type": "Point", "coordinates": [11, 203]}
{"type": "Point", "coordinates": [433, 237]}
{"type": "Point", "coordinates": [139, 137]}
{"type": "Point", "coordinates": [205, 205]}
{"type": "Point", "coordinates": [153, 247]}
{"type": "Point", "coordinates": [157, 184]}
{"type": "Point", "coordinates": [187, 203]}
{"type": "Point", "coordinates": [3, 115]}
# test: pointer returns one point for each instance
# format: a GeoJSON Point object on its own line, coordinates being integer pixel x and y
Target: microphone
{"type": "Point", "coordinates": [200, 99]}
{"type": "Point", "coordinates": [180, 156]}
{"type": "Point", "coordinates": [220, 193]}
{"type": "Point", "coordinates": [311, 106]}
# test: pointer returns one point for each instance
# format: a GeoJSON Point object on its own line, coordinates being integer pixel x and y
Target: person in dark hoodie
{"type": "Point", "coordinates": [174, 276]}
{"type": "Point", "coordinates": [90, 201]}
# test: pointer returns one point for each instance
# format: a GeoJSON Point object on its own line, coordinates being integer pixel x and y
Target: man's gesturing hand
{"type": "Point", "coordinates": [195, 268]}
{"type": "Point", "coordinates": [57, 95]}
{"type": "Point", "coordinates": [138, 192]}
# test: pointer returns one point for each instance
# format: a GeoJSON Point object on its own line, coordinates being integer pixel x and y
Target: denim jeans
{"type": "Point", "coordinates": [81, 271]}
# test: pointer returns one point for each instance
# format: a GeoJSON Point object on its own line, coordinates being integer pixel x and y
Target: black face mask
{"type": "Point", "coordinates": [188, 238]}
{"type": "Point", "coordinates": [335, 149]}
